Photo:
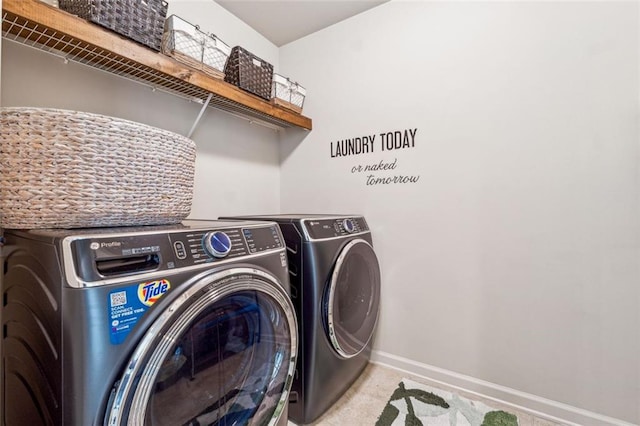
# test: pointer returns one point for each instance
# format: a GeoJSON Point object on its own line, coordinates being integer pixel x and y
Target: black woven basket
{"type": "Point", "coordinates": [248, 72]}
{"type": "Point", "coordinates": [139, 20]}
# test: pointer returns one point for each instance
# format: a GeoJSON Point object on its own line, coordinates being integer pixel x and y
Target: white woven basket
{"type": "Point", "coordinates": [68, 169]}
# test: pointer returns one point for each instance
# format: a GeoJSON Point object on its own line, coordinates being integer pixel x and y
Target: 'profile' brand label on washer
{"type": "Point", "coordinates": [95, 245]}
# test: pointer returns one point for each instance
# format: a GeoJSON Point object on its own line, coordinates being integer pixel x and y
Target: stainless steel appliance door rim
{"type": "Point", "coordinates": [331, 298]}
{"type": "Point", "coordinates": [139, 391]}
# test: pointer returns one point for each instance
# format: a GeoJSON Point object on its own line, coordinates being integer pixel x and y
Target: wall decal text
{"type": "Point", "coordinates": [387, 141]}
{"type": "Point", "coordinates": [373, 179]}
{"type": "Point", "coordinates": [378, 172]}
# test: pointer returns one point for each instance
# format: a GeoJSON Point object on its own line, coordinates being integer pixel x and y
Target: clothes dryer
{"type": "Point", "coordinates": [173, 325]}
{"type": "Point", "coordinates": [335, 288]}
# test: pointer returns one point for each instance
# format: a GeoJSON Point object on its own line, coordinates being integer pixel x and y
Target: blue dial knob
{"type": "Point", "coordinates": [349, 226]}
{"type": "Point", "coordinates": [217, 244]}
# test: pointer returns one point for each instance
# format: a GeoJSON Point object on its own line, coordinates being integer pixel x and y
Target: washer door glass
{"type": "Point", "coordinates": [353, 299]}
{"type": "Point", "coordinates": [222, 354]}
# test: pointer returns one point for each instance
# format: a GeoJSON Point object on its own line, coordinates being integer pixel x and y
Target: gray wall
{"type": "Point", "coordinates": [513, 262]}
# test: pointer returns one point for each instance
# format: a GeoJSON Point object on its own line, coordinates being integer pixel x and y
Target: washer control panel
{"type": "Point", "coordinates": [202, 246]}
{"type": "Point", "coordinates": [335, 227]}
{"type": "Point", "coordinates": [99, 256]}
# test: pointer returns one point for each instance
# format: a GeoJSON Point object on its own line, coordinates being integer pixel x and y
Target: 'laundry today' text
{"type": "Point", "coordinates": [387, 141]}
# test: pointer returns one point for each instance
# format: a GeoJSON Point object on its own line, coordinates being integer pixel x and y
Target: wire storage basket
{"type": "Point", "coordinates": [249, 72]}
{"type": "Point", "coordinates": [139, 20]}
{"type": "Point", "coordinates": [287, 94]}
{"type": "Point", "coordinates": [70, 169]}
{"type": "Point", "coordinates": [187, 44]}
{"type": "Point", "coordinates": [215, 54]}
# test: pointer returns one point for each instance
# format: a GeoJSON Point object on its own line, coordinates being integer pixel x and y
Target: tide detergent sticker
{"type": "Point", "coordinates": [127, 305]}
{"type": "Point", "coordinates": [149, 293]}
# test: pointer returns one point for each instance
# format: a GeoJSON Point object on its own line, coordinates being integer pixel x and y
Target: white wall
{"type": "Point", "coordinates": [237, 169]}
{"type": "Point", "coordinates": [515, 257]}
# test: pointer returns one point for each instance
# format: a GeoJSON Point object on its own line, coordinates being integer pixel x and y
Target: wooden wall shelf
{"type": "Point", "coordinates": [39, 25]}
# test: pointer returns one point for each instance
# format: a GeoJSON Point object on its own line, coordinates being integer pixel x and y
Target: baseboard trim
{"type": "Point", "coordinates": [522, 401]}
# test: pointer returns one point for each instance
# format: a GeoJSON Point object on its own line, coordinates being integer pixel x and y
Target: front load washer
{"type": "Point", "coordinates": [335, 288]}
{"type": "Point", "coordinates": [188, 324]}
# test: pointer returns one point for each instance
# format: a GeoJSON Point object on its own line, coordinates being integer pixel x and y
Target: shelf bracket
{"type": "Point", "coordinates": [204, 107]}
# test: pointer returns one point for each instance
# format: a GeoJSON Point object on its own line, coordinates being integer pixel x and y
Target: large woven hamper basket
{"type": "Point", "coordinates": [68, 169]}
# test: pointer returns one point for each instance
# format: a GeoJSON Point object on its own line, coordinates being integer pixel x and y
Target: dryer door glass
{"type": "Point", "coordinates": [353, 299]}
{"type": "Point", "coordinates": [223, 356]}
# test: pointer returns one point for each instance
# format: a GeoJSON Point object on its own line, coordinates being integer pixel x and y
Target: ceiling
{"type": "Point", "coordinates": [282, 22]}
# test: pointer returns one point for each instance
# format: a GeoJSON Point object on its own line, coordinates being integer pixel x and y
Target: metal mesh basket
{"type": "Point", "coordinates": [249, 72]}
{"type": "Point", "coordinates": [68, 169]}
{"type": "Point", "coordinates": [139, 20]}
{"type": "Point", "coordinates": [287, 93]}
{"type": "Point", "coordinates": [298, 93]}
{"type": "Point", "coordinates": [187, 44]}
{"type": "Point", "coordinates": [215, 53]}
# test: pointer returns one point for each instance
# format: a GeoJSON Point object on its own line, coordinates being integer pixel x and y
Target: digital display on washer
{"type": "Point", "coordinates": [263, 238]}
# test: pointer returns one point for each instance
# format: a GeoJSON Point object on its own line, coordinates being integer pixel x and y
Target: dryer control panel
{"type": "Point", "coordinates": [318, 229]}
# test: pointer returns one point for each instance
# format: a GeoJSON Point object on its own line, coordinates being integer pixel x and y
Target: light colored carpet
{"type": "Point", "coordinates": [363, 403]}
